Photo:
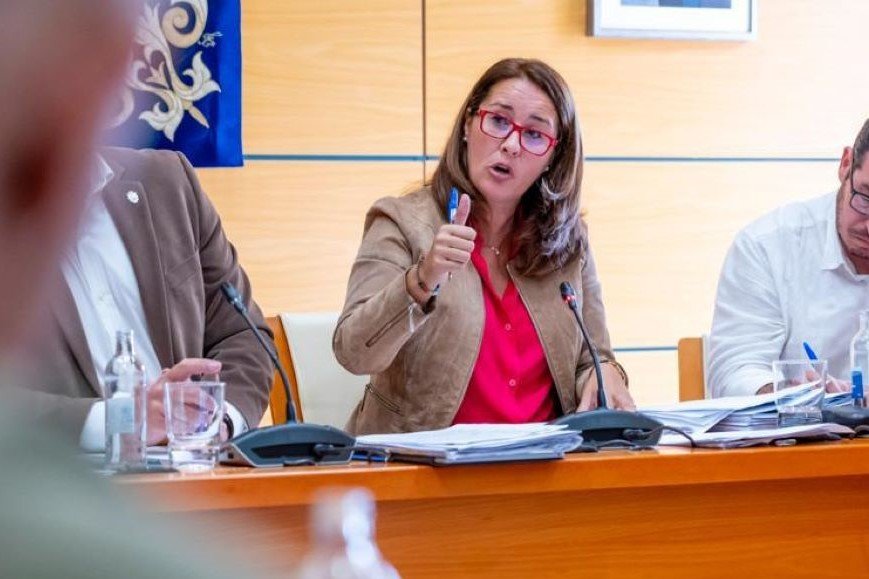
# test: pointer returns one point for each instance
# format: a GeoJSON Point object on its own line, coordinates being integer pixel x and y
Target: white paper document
{"type": "Point", "coordinates": [467, 443]}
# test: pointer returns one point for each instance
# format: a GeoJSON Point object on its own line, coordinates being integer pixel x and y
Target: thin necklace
{"type": "Point", "coordinates": [496, 249]}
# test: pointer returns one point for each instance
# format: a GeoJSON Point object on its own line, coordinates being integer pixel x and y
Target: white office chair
{"type": "Point", "coordinates": [327, 392]}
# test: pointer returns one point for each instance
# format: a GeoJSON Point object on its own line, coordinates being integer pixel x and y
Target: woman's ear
{"type": "Point", "coordinates": [469, 120]}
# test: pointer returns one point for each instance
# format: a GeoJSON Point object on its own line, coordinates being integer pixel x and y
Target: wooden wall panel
{"type": "Point", "coordinates": [792, 92]}
{"type": "Point", "coordinates": [660, 232]}
{"type": "Point", "coordinates": [332, 77]}
{"type": "Point", "coordinates": [297, 226]}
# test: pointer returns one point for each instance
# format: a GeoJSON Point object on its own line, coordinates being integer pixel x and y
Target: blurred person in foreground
{"type": "Point", "coordinates": [459, 319]}
{"type": "Point", "coordinates": [59, 61]}
{"type": "Point", "coordinates": [798, 274]}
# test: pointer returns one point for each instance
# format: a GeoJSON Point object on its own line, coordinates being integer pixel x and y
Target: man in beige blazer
{"type": "Point", "coordinates": [178, 257]}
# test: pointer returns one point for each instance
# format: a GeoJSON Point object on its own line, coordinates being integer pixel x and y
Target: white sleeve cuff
{"type": "Point", "coordinates": [93, 435]}
{"type": "Point", "coordinates": [743, 382]}
{"type": "Point", "coordinates": [239, 424]}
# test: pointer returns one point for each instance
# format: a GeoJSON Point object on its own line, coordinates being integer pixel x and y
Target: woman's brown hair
{"type": "Point", "coordinates": [549, 231]}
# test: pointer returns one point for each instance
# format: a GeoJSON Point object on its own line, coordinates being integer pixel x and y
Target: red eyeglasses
{"type": "Point", "coordinates": [499, 126]}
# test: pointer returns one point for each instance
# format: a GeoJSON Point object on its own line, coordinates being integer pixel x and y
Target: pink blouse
{"type": "Point", "coordinates": [511, 381]}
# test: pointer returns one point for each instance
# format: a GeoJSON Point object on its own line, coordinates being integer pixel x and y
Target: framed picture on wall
{"type": "Point", "coordinates": [685, 19]}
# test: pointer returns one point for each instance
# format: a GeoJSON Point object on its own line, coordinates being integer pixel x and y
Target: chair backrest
{"type": "Point", "coordinates": [327, 393]}
{"type": "Point", "coordinates": [277, 396]}
{"type": "Point", "coordinates": [692, 368]}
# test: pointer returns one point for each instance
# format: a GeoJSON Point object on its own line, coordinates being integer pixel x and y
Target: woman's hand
{"type": "Point", "coordinates": [617, 395]}
{"type": "Point", "coordinates": [451, 248]}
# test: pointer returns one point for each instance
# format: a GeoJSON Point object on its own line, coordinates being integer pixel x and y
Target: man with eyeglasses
{"type": "Point", "coordinates": [799, 274]}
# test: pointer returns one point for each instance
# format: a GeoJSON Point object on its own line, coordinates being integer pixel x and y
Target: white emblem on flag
{"type": "Point", "coordinates": [154, 72]}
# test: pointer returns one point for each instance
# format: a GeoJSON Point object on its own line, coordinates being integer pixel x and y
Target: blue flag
{"type": "Point", "coordinates": [183, 91]}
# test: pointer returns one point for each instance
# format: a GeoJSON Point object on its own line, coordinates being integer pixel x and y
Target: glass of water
{"type": "Point", "coordinates": [194, 413]}
{"type": "Point", "coordinates": [800, 386]}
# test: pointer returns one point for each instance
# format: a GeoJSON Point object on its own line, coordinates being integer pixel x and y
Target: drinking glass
{"type": "Point", "coordinates": [194, 413]}
{"type": "Point", "coordinates": [800, 386]}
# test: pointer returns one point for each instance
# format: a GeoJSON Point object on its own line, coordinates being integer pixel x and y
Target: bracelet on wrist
{"type": "Point", "coordinates": [618, 367]}
{"type": "Point", "coordinates": [230, 427]}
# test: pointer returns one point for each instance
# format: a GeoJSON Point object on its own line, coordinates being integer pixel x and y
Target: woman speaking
{"type": "Point", "coordinates": [453, 304]}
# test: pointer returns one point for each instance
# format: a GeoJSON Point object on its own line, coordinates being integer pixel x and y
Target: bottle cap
{"type": "Point", "coordinates": [856, 383]}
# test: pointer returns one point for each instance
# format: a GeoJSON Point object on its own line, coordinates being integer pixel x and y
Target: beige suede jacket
{"type": "Point", "coordinates": [420, 364]}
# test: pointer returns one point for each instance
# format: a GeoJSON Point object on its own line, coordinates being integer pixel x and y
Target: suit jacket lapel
{"type": "Point", "coordinates": [127, 203]}
{"type": "Point", "coordinates": [66, 313]}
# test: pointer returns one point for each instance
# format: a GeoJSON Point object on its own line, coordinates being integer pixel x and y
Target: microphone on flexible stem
{"type": "Point", "coordinates": [290, 444]}
{"type": "Point", "coordinates": [569, 297]}
{"type": "Point", "coordinates": [232, 296]}
{"type": "Point", "coordinates": [604, 427]}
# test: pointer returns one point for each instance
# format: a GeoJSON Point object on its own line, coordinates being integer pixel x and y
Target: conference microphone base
{"type": "Point", "coordinates": [605, 428]}
{"type": "Point", "coordinates": [291, 444]}
{"type": "Point", "coordinates": [853, 417]}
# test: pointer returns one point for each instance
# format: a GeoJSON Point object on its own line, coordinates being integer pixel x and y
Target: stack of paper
{"type": "Point", "coordinates": [698, 416]}
{"type": "Point", "coordinates": [469, 443]}
{"type": "Point", "coordinates": [731, 412]}
{"type": "Point", "coordinates": [743, 438]}
{"type": "Point", "coordinates": [765, 415]}
{"type": "Point", "coordinates": [742, 420]}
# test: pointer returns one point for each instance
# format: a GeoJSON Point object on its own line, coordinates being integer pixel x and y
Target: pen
{"type": "Point", "coordinates": [811, 354]}
{"type": "Point", "coordinates": [452, 207]}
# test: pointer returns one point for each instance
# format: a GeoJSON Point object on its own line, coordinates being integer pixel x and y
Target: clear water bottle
{"type": "Point", "coordinates": [126, 402]}
{"type": "Point", "coordinates": [342, 539]}
{"type": "Point", "coordinates": [860, 352]}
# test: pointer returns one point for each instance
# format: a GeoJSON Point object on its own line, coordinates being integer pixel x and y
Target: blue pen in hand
{"type": "Point", "coordinates": [452, 207]}
{"type": "Point", "coordinates": [810, 353]}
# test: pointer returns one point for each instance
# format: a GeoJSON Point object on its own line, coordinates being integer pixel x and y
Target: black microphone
{"type": "Point", "coordinates": [603, 427]}
{"type": "Point", "coordinates": [569, 297]}
{"type": "Point", "coordinates": [289, 444]}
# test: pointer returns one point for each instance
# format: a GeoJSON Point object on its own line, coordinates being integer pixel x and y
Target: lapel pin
{"type": "Point", "coordinates": [132, 197]}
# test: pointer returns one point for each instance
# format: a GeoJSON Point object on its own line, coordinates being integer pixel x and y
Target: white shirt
{"type": "Point", "coordinates": [103, 285]}
{"type": "Point", "coordinates": [786, 280]}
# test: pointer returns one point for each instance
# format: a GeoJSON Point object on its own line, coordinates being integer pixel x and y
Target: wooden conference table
{"type": "Point", "coordinates": [801, 511]}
